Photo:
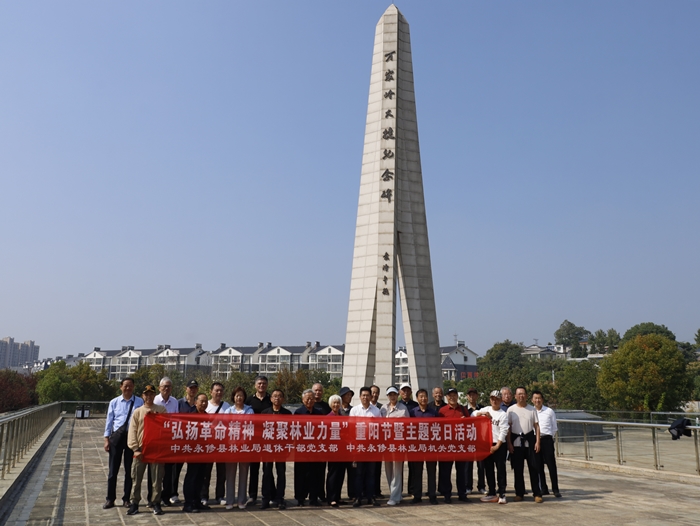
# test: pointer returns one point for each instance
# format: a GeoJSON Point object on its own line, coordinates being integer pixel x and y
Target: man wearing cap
{"type": "Point", "coordinates": [453, 409]}
{"type": "Point", "coordinates": [186, 404]}
{"type": "Point", "coordinates": [406, 397]}
{"type": "Point", "coordinates": [116, 429]}
{"type": "Point", "coordinates": [497, 458]}
{"type": "Point", "coordinates": [135, 443]}
{"type": "Point", "coordinates": [195, 471]}
{"type": "Point", "coordinates": [474, 405]}
{"type": "Point", "coordinates": [415, 487]}
{"type": "Point", "coordinates": [394, 469]}
{"type": "Point", "coordinates": [364, 475]}
{"type": "Point", "coordinates": [524, 444]}
{"type": "Point", "coordinates": [547, 421]}
{"type": "Point", "coordinates": [171, 405]}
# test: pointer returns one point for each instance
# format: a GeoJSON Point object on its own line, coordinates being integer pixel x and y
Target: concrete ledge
{"type": "Point", "coordinates": [670, 476]}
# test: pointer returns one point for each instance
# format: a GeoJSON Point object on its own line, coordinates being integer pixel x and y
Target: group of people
{"type": "Point", "coordinates": [520, 431]}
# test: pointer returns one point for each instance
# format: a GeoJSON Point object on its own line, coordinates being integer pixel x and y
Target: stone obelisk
{"type": "Point", "coordinates": [391, 252]}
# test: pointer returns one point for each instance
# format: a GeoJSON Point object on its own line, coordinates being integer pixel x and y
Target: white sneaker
{"type": "Point", "coordinates": [229, 506]}
{"type": "Point", "coordinates": [223, 502]}
{"type": "Point", "coordinates": [489, 498]}
{"type": "Point", "coordinates": [502, 500]}
{"type": "Point", "coordinates": [391, 503]}
{"type": "Point", "coordinates": [204, 502]}
{"type": "Point", "coordinates": [469, 492]}
{"type": "Point", "coordinates": [483, 491]}
{"type": "Point", "coordinates": [250, 500]}
{"type": "Point", "coordinates": [241, 506]}
{"type": "Point", "coordinates": [174, 500]}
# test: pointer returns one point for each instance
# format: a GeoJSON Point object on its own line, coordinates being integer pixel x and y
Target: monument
{"type": "Point", "coordinates": [391, 253]}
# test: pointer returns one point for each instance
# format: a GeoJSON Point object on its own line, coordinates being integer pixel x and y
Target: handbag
{"type": "Point", "coordinates": [119, 436]}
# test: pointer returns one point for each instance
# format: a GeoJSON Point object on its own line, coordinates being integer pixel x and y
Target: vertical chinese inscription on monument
{"type": "Point", "coordinates": [387, 168]}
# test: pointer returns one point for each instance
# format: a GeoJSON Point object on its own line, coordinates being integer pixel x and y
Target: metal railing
{"type": "Point", "coordinates": [20, 430]}
{"type": "Point", "coordinates": [642, 446]}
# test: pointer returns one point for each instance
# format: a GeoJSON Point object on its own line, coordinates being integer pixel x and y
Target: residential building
{"type": "Point", "coordinates": [15, 354]}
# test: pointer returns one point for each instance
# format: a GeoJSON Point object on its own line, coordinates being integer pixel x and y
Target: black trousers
{"type": "Point", "coordinates": [497, 460]}
{"type": "Point", "coordinates": [177, 469]}
{"type": "Point", "coordinates": [253, 479]}
{"type": "Point", "coordinates": [415, 487]}
{"type": "Point", "coordinates": [117, 451]}
{"type": "Point", "coordinates": [334, 481]}
{"type": "Point", "coordinates": [547, 456]}
{"type": "Point", "coordinates": [377, 479]}
{"type": "Point", "coordinates": [520, 456]}
{"type": "Point", "coordinates": [220, 490]}
{"type": "Point", "coordinates": [270, 490]}
{"type": "Point", "coordinates": [364, 480]}
{"type": "Point", "coordinates": [445, 482]}
{"type": "Point", "coordinates": [192, 484]}
{"type": "Point", "coordinates": [480, 483]}
{"type": "Point", "coordinates": [351, 479]}
{"type": "Point", "coordinates": [308, 479]}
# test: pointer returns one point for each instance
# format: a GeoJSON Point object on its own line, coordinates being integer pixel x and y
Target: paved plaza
{"type": "Point", "coordinates": [69, 486]}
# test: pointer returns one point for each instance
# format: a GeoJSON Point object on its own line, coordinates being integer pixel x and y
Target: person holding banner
{"type": "Point", "coordinates": [424, 410]}
{"type": "Point", "coordinates": [270, 490]}
{"type": "Point", "coordinates": [364, 473]}
{"type": "Point", "coordinates": [259, 401]}
{"type": "Point", "coordinates": [499, 447]}
{"type": "Point", "coordinates": [194, 479]}
{"type": "Point", "coordinates": [453, 409]}
{"type": "Point", "coordinates": [239, 407]}
{"type": "Point", "coordinates": [216, 405]}
{"type": "Point", "coordinates": [135, 443]}
{"type": "Point", "coordinates": [394, 468]}
{"type": "Point", "coordinates": [308, 476]}
{"type": "Point", "coordinates": [336, 470]}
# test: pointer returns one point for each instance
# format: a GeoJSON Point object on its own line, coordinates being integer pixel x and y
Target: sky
{"type": "Point", "coordinates": [188, 172]}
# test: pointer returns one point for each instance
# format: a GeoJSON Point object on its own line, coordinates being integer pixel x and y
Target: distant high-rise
{"type": "Point", "coordinates": [391, 252]}
{"type": "Point", "coordinates": [15, 354]}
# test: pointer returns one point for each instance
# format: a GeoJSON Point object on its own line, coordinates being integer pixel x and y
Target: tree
{"type": "Point", "coordinates": [91, 384]}
{"type": "Point", "coordinates": [647, 328]}
{"type": "Point", "coordinates": [697, 338]}
{"type": "Point", "coordinates": [647, 373]}
{"type": "Point", "coordinates": [292, 384]}
{"type": "Point", "coordinates": [502, 356]}
{"type": "Point", "coordinates": [577, 387]}
{"type": "Point", "coordinates": [56, 383]}
{"type": "Point", "coordinates": [613, 340]}
{"type": "Point", "coordinates": [570, 335]}
{"type": "Point", "coordinates": [597, 342]}
{"type": "Point", "coordinates": [16, 389]}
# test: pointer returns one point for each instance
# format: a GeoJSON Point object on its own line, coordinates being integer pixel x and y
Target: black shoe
{"type": "Point", "coordinates": [375, 503]}
{"type": "Point", "coordinates": [463, 498]}
{"type": "Point", "coordinates": [433, 500]}
{"type": "Point", "coordinates": [133, 509]}
{"type": "Point", "coordinates": [157, 510]}
{"type": "Point", "coordinates": [557, 494]}
{"type": "Point", "coordinates": [448, 500]}
{"type": "Point", "coordinates": [314, 502]}
{"type": "Point", "coordinates": [333, 504]}
{"type": "Point", "coordinates": [108, 504]}
{"type": "Point", "coordinates": [265, 504]}
{"type": "Point", "coordinates": [189, 509]}
{"type": "Point", "coordinates": [357, 503]}
{"type": "Point", "coordinates": [200, 506]}
{"type": "Point", "coordinates": [300, 503]}
{"type": "Point", "coordinates": [283, 505]}
{"type": "Point", "coordinates": [126, 503]}
{"type": "Point", "coordinates": [545, 492]}
{"type": "Point", "coordinates": [379, 495]}
{"type": "Point", "coordinates": [416, 500]}
{"type": "Point", "coordinates": [341, 502]}
{"type": "Point", "coordinates": [149, 506]}
{"type": "Point", "coordinates": [165, 502]}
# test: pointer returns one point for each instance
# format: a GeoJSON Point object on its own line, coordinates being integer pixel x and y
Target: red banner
{"type": "Point", "coordinates": [193, 437]}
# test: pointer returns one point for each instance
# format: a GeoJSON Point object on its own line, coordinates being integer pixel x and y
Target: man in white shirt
{"type": "Point", "coordinates": [394, 468]}
{"type": "Point", "coordinates": [547, 455]}
{"type": "Point", "coordinates": [524, 444]}
{"type": "Point", "coordinates": [171, 405]}
{"type": "Point", "coordinates": [497, 458]}
{"type": "Point", "coordinates": [216, 405]}
{"type": "Point", "coordinates": [364, 474]}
